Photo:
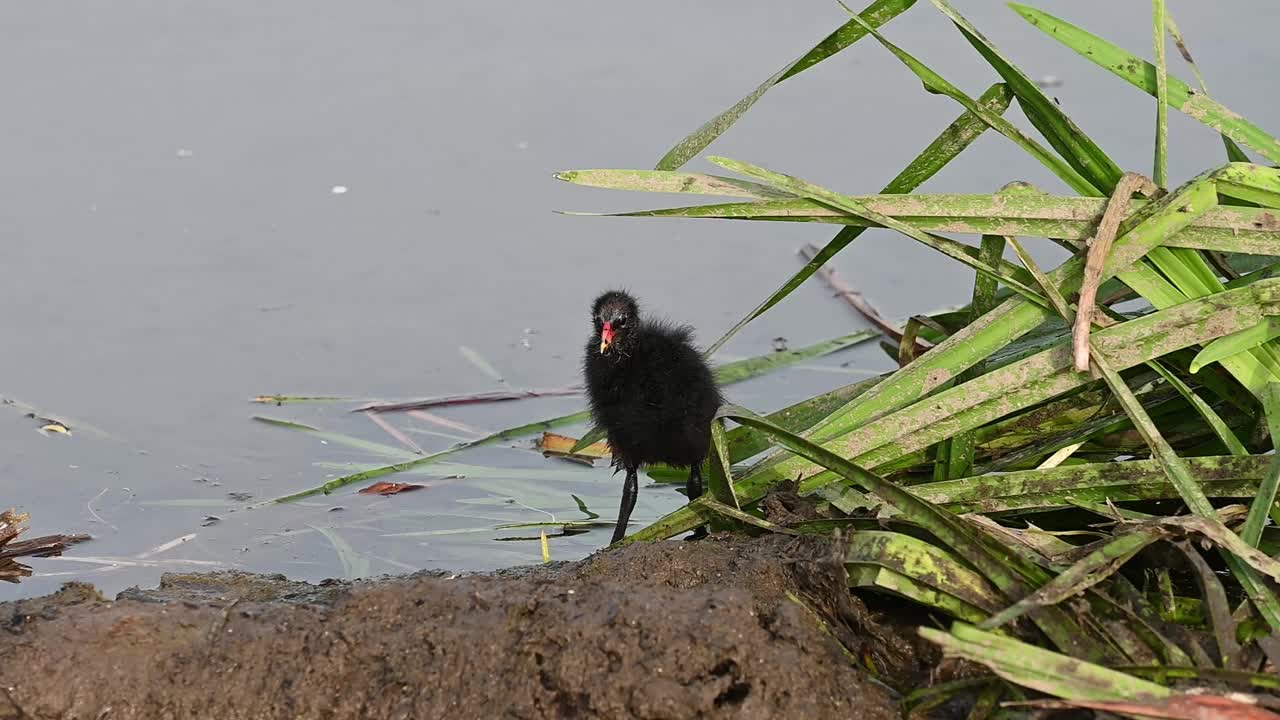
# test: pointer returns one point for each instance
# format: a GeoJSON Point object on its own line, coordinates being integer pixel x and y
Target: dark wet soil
{"type": "Point", "coordinates": [726, 627]}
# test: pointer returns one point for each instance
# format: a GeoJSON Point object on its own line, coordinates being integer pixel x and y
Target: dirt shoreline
{"type": "Point", "coordinates": [666, 630]}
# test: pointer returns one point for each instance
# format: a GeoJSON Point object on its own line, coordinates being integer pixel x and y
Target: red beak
{"type": "Point", "coordinates": [606, 337]}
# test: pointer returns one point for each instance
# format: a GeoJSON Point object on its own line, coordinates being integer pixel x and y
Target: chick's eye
{"type": "Point", "coordinates": [622, 322]}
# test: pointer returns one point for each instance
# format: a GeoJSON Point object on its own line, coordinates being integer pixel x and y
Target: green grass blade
{"type": "Point", "coordinates": [934, 82]}
{"type": "Point", "coordinates": [844, 202]}
{"type": "Point", "coordinates": [1265, 502]}
{"type": "Point", "coordinates": [1142, 74]}
{"type": "Point", "coordinates": [876, 14]}
{"type": "Point", "coordinates": [719, 478]}
{"type": "Point", "coordinates": [1093, 482]}
{"type": "Point", "coordinates": [739, 370]}
{"type": "Point", "coordinates": [1236, 343]}
{"type": "Point", "coordinates": [945, 148]}
{"type": "Point", "coordinates": [923, 563]}
{"type": "Point", "coordinates": [1090, 570]}
{"type": "Point", "coordinates": [899, 584]}
{"type": "Point", "coordinates": [1070, 141]}
{"type": "Point", "coordinates": [745, 517]}
{"type": "Point", "coordinates": [960, 449]}
{"type": "Point", "coordinates": [665, 181]}
{"type": "Point", "coordinates": [1211, 416]}
{"type": "Point", "coordinates": [1225, 229]}
{"type": "Point", "coordinates": [744, 442]}
{"type": "Point", "coordinates": [1039, 669]}
{"type": "Point", "coordinates": [1234, 153]}
{"type": "Point", "coordinates": [1174, 467]}
{"type": "Point", "coordinates": [1160, 173]}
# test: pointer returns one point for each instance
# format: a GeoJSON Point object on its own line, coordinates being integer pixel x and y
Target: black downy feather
{"type": "Point", "coordinates": [652, 393]}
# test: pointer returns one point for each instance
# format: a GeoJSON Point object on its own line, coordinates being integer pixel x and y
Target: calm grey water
{"type": "Point", "coordinates": [174, 245]}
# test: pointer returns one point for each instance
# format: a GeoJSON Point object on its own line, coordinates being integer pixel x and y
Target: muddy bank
{"type": "Point", "coordinates": [669, 630]}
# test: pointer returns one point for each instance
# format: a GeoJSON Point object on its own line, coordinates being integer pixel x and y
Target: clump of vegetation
{"type": "Point", "coordinates": [1077, 471]}
{"type": "Point", "coordinates": [13, 524]}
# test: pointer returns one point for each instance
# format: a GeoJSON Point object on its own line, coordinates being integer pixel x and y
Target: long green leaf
{"type": "Point", "coordinates": [953, 140]}
{"type": "Point", "coordinates": [843, 202]}
{"type": "Point", "coordinates": [1225, 229]}
{"type": "Point", "coordinates": [936, 83]}
{"type": "Point", "coordinates": [1142, 74]}
{"type": "Point", "coordinates": [900, 584]}
{"type": "Point", "coordinates": [1087, 572]}
{"type": "Point", "coordinates": [1055, 487]}
{"type": "Point", "coordinates": [746, 517]}
{"type": "Point", "coordinates": [666, 181]}
{"type": "Point", "coordinates": [1040, 669]}
{"type": "Point", "coordinates": [1265, 502]}
{"type": "Point", "coordinates": [1047, 116]}
{"type": "Point", "coordinates": [960, 449]}
{"type": "Point", "coordinates": [1211, 416]}
{"type": "Point", "coordinates": [876, 14]}
{"type": "Point", "coordinates": [1237, 342]}
{"type": "Point", "coordinates": [1161, 172]}
{"type": "Point", "coordinates": [1002, 569]}
{"type": "Point", "coordinates": [923, 563]}
{"type": "Point", "coordinates": [744, 442]}
{"type": "Point", "coordinates": [740, 370]}
{"type": "Point", "coordinates": [719, 478]}
{"type": "Point", "coordinates": [1060, 304]}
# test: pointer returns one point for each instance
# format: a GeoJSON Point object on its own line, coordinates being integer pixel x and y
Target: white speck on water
{"type": "Point", "coordinates": [185, 152]}
{"type": "Point", "coordinates": [1049, 81]}
{"type": "Point", "coordinates": [522, 145]}
{"type": "Point", "coordinates": [339, 190]}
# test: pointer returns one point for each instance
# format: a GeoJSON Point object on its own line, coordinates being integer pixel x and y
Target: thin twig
{"type": "Point", "coordinates": [1099, 249]}
{"type": "Point", "coordinates": [857, 301]}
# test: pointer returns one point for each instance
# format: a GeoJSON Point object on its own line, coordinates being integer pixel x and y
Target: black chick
{"type": "Point", "coordinates": [652, 393]}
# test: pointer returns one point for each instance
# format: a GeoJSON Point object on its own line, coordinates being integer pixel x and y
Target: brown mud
{"type": "Point", "coordinates": [725, 627]}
